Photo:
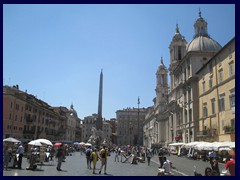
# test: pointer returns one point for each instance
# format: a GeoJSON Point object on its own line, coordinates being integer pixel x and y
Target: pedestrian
{"type": "Point", "coordinates": [116, 154]}
{"type": "Point", "coordinates": [103, 157]}
{"type": "Point", "coordinates": [52, 153]}
{"type": "Point", "coordinates": [166, 165]}
{"type": "Point", "coordinates": [88, 156]}
{"type": "Point", "coordinates": [7, 155]}
{"type": "Point", "coordinates": [94, 159]}
{"type": "Point", "coordinates": [149, 156]}
{"type": "Point", "coordinates": [160, 157]}
{"type": "Point", "coordinates": [215, 167]}
{"type": "Point", "coordinates": [230, 165]}
{"type": "Point", "coordinates": [60, 155]}
{"type": "Point", "coordinates": [20, 152]}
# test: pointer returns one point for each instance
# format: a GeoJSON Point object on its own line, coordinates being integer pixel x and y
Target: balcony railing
{"type": "Point", "coordinates": [207, 133]}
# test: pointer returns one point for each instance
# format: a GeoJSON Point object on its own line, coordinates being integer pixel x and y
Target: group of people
{"type": "Point", "coordinates": [7, 153]}
{"type": "Point", "coordinates": [214, 169]}
{"type": "Point", "coordinates": [93, 156]}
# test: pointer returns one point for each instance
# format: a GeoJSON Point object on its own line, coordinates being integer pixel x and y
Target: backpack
{"type": "Point", "coordinates": [103, 155]}
{"type": "Point", "coordinates": [88, 153]}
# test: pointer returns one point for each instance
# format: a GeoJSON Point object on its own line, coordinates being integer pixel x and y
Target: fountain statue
{"type": "Point", "coordinates": [92, 139]}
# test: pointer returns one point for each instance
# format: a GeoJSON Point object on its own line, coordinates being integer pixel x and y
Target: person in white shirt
{"type": "Point", "coordinates": [166, 165]}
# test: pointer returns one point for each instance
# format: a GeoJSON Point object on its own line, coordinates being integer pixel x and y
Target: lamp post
{"type": "Point", "coordinates": [130, 132]}
{"type": "Point", "coordinates": [172, 125]}
{"type": "Point", "coordinates": [172, 133]}
{"type": "Point", "coordinates": [138, 121]}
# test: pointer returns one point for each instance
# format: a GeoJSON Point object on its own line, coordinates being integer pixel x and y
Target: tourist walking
{"type": "Point", "coordinates": [88, 157]}
{"type": "Point", "coordinates": [117, 153]}
{"type": "Point", "coordinates": [160, 157]}
{"type": "Point", "coordinates": [103, 157]}
{"type": "Point", "coordinates": [94, 157]}
{"type": "Point", "coordinates": [60, 155]}
{"type": "Point", "coordinates": [215, 167]}
{"type": "Point", "coordinates": [20, 152]}
{"type": "Point", "coordinates": [149, 156]}
{"type": "Point", "coordinates": [7, 155]}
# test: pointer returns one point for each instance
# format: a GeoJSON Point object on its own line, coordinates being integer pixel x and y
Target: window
{"type": "Point", "coordinates": [210, 83]}
{"type": "Point", "coordinates": [179, 53]}
{"type": "Point", "coordinates": [203, 86]}
{"type": "Point", "coordinates": [220, 73]}
{"type": "Point", "coordinates": [188, 71]}
{"type": "Point", "coordinates": [11, 105]}
{"type": "Point", "coordinates": [10, 116]}
{"type": "Point", "coordinates": [213, 105]}
{"type": "Point", "coordinates": [162, 79]}
{"type": "Point", "coordinates": [221, 102]}
{"type": "Point", "coordinates": [232, 123]}
{"type": "Point", "coordinates": [231, 69]}
{"type": "Point", "coordinates": [232, 98]}
{"type": "Point", "coordinates": [190, 115]}
{"type": "Point", "coordinates": [210, 67]}
{"type": "Point", "coordinates": [222, 124]}
{"type": "Point", "coordinates": [205, 113]}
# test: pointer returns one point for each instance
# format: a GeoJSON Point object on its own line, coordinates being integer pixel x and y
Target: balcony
{"type": "Point", "coordinates": [229, 130]}
{"type": "Point", "coordinates": [207, 133]}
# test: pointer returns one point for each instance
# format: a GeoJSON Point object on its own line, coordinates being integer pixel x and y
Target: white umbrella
{"type": "Point", "coordinates": [10, 139]}
{"type": "Point", "coordinates": [88, 144]}
{"type": "Point", "coordinates": [35, 143]}
{"type": "Point", "coordinates": [45, 141]}
{"type": "Point", "coordinates": [82, 143]}
{"type": "Point", "coordinates": [76, 143]}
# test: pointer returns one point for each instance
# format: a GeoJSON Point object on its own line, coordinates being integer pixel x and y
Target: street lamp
{"type": "Point", "coordinates": [172, 133]}
{"type": "Point", "coordinates": [138, 121]}
{"type": "Point", "coordinates": [130, 132]}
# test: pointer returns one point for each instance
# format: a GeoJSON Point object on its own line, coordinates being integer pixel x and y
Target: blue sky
{"type": "Point", "coordinates": [56, 52]}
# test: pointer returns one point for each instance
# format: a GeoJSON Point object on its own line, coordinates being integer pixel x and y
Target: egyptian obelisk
{"type": "Point", "coordinates": [99, 122]}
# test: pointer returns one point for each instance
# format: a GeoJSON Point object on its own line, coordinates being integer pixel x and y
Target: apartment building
{"type": "Point", "coordinates": [217, 96]}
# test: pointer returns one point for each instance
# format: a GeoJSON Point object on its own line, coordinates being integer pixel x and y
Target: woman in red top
{"type": "Point", "coordinates": [230, 165]}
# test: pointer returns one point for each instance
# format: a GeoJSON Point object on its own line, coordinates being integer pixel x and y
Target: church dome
{"type": "Point", "coordinates": [204, 44]}
{"type": "Point", "coordinates": [201, 40]}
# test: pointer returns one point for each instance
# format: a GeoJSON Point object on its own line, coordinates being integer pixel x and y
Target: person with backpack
{"type": "Point", "coordinates": [103, 158]}
{"type": "Point", "coordinates": [88, 157]}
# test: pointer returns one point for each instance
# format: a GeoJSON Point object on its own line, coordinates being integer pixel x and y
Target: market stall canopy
{"type": "Point", "coordinates": [203, 146]}
{"type": "Point", "coordinates": [45, 141]}
{"type": "Point", "coordinates": [10, 139]}
{"type": "Point", "coordinates": [224, 148]}
{"type": "Point", "coordinates": [35, 143]}
{"type": "Point", "coordinates": [191, 144]}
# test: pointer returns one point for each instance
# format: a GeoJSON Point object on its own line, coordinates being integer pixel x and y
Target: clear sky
{"type": "Point", "coordinates": [56, 52]}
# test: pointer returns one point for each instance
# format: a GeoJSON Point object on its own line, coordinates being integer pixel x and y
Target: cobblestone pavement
{"type": "Point", "coordinates": [76, 165]}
